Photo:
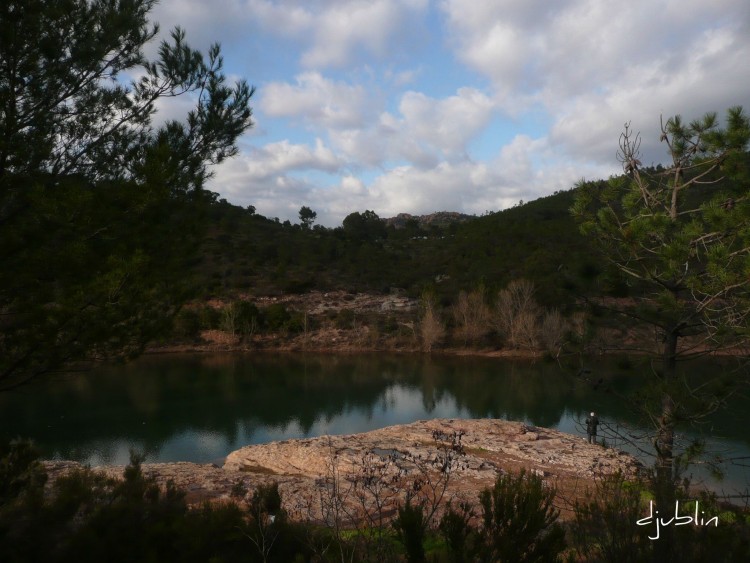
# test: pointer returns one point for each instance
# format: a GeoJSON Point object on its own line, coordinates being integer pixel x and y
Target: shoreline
{"type": "Point", "coordinates": [478, 449]}
{"type": "Point", "coordinates": [211, 348]}
{"type": "Point", "coordinates": [339, 321]}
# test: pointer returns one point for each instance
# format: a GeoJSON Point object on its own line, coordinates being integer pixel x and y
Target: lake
{"type": "Point", "coordinates": [201, 407]}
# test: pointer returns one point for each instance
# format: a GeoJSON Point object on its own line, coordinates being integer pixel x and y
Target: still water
{"type": "Point", "coordinates": [201, 407]}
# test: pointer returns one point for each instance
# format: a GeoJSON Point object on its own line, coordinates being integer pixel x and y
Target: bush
{"type": "Point", "coordinates": [276, 317]}
{"type": "Point", "coordinates": [20, 470]}
{"type": "Point", "coordinates": [85, 516]}
{"type": "Point", "coordinates": [268, 528]}
{"type": "Point", "coordinates": [411, 527]}
{"type": "Point", "coordinates": [605, 527]}
{"type": "Point", "coordinates": [296, 322]}
{"type": "Point", "coordinates": [472, 315]}
{"type": "Point", "coordinates": [388, 325]}
{"type": "Point", "coordinates": [552, 332]}
{"type": "Point", "coordinates": [210, 318]}
{"type": "Point", "coordinates": [459, 535]}
{"type": "Point", "coordinates": [345, 319]}
{"type": "Point", "coordinates": [246, 317]}
{"type": "Point", "coordinates": [431, 327]}
{"type": "Point", "coordinates": [520, 522]}
{"type": "Point", "coordinates": [517, 315]}
{"type": "Point", "coordinates": [187, 323]}
{"type": "Point", "coordinates": [266, 499]}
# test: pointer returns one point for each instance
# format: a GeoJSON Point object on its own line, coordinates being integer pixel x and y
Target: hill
{"type": "Point", "coordinates": [446, 251]}
{"type": "Point", "coordinates": [440, 219]}
{"type": "Point", "coordinates": [265, 284]}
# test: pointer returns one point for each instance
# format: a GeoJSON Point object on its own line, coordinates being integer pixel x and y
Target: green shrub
{"type": "Point", "coordinates": [266, 499]}
{"type": "Point", "coordinates": [247, 317]}
{"type": "Point", "coordinates": [276, 317]}
{"type": "Point", "coordinates": [87, 517]}
{"type": "Point", "coordinates": [459, 535]}
{"type": "Point", "coordinates": [269, 530]}
{"type": "Point", "coordinates": [296, 322]}
{"type": "Point", "coordinates": [520, 522]}
{"type": "Point", "coordinates": [605, 526]}
{"type": "Point", "coordinates": [187, 323]}
{"type": "Point", "coordinates": [345, 319]}
{"type": "Point", "coordinates": [411, 526]}
{"type": "Point", "coordinates": [20, 470]}
{"type": "Point", "coordinates": [210, 317]}
{"type": "Point", "coordinates": [388, 325]}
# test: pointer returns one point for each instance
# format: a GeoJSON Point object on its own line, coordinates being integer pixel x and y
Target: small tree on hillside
{"type": "Point", "coordinates": [553, 331]}
{"type": "Point", "coordinates": [431, 327]}
{"type": "Point", "coordinates": [307, 217]}
{"type": "Point", "coordinates": [472, 315]}
{"type": "Point", "coordinates": [365, 226]}
{"type": "Point", "coordinates": [517, 315]}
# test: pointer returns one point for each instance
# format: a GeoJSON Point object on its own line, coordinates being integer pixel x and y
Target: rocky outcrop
{"type": "Point", "coordinates": [457, 458]}
{"type": "Point", "coordinates": [440, 219]}
{"type": "Point", "coordinates": [486, 446]}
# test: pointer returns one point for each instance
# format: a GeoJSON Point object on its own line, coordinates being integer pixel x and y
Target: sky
{"type": "Point", "coordinates": [418, 106]}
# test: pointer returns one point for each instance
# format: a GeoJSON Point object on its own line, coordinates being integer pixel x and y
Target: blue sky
{"type": "Point", "coordinates": [416, 106]}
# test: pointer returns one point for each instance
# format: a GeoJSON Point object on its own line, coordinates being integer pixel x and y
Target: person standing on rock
{"type": "Point", "coordinates": [591, 423]}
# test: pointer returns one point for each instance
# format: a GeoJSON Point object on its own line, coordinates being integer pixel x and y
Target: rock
{"type": "Point", "coordinates": [482, 448]}
{"type": "Point", "coordinates": [464, 456]}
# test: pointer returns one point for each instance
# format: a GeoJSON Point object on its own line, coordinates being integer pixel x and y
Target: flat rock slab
{"type": "Point", "coordinates": [487, 445]}
{"type": "Point", "coordinates": [453, 457]}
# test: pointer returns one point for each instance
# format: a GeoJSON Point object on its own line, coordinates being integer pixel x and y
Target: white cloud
{"type": "Point", "coordinates": [707, 79]}
{"type": "Point", "coordinates": [577, 45]}
{"type": "Point", "coordinates": [205, 22]}
{"type": "Point", "coordinates": [594, 64]}
{"type": "Point", "coordinates": [262, 177]}
{"type": "Point", "coordinates": [401, 78]}
{"type": "Point", "coordinates": [334, 32]}
{"type": "Point", "coordinates": [566, 74]}
{"type": "Point", "coordinates": [343, 28]}
{"type": "Point", "coordinates": [523, 170]}
{"type": "Point", "coordinates": [443, 187]}
{"type": "Point", "coordinates": [286, 18]}
{"type": "Point", "coordinates": [447, 124]}
{"type": "Point", "coordinates": [317, 100]}
{"type": "Point", "coordinates": [498, 39]}
{"type": "Point", "coordinates": [427, 131]}
{"type": "Point", "coordinates": [283, 157]}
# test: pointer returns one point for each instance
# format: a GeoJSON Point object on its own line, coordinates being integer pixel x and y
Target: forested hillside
{"type": "Point", "coordinates": [538, 241]}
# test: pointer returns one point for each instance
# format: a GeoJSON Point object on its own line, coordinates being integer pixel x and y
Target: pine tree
{"type": "Point", "coordinates": [676, 241]}
{"type": "Point", "coordinates": [99, 208]}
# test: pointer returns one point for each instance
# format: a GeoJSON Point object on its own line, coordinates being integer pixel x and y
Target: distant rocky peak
{"type": "Point", "coordinates": [439, 219]}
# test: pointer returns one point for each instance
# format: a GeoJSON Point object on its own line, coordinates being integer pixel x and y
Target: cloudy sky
{"type": "Point", "coordinates": [419, 106]}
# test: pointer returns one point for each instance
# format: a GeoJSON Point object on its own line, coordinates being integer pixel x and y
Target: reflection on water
{"type": "Point", "coordinates": [199, 408]}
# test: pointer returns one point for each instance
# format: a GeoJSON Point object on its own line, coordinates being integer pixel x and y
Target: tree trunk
{"type": "Point", "coordinates": [664, 476]}
{"type": "Point", "coordinates": [666, 421]}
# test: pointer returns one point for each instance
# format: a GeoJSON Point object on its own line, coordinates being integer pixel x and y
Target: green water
{"type": "Point", "coordinates": [199, 408]}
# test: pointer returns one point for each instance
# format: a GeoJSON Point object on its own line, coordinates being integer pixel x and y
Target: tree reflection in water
{"type": "Point", "coordinates": [201, 407]}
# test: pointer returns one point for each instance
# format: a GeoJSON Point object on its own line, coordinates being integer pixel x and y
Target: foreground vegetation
{"type": "Point", "coordinates": [84, 516]}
